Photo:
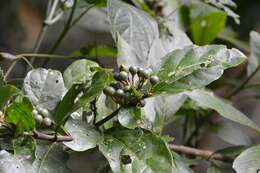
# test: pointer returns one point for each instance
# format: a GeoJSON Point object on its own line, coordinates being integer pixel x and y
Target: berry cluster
{"type": "Point", "coordinates": [41, 116]}
{"type": "Point", "coordinates": [127, 90]}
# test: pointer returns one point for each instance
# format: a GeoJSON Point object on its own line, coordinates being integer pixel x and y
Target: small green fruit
{"type": "Point", "coordinates": [133, 70]}
{"type": "Point", "coordinates": [34, 112]}
{"type": "Point", "coordinates": [120, 93]}
{"type": "Point", "coordinates": [47, 122]}
{"type": "Point", "coordinates": [123, 68]}
{"type": "Point", "coordinates": [110, 91]}
{"type": "Point", "coordinates": [123, 75]}
{"type": "Point", "coordinates": [45, 112]}
{"type": "Point", "coordinates": [38, 118]}
{"type": "Point", "coordinates": [116, 76]}
{"type": "Point", "coordinates": [154, 79]}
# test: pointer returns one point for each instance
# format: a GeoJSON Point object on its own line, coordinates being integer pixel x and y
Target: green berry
{"type": "Point", "coordinates": [116, 76]}
{"type": "Point", "coordinates": [123, 75]}
{"type": "Point", "coordinates": [38, 118]}
{"type": "Point", "coordinates": [123, 68]}
{"type": "Point", "coordinates": [47, 122]}
{"type": "Point", "coordinates": [120, 92]}
{"type": "Point", "coordinates": [146, 74]}
{"type": "Point", "coordinates": [150, 71]}
{"type": "Point", "coordinates": [109, 91]}
{"type": "Point", "coordinates": [133, 70]}
{"type": "Point", "coordinates": [154, 79]}
{"type": "Point", "coordinates": [45, 112]}
{"type": "Point", "coordinates": [38, 108]}
{"type": "Point", "coordinates": [34, 112]}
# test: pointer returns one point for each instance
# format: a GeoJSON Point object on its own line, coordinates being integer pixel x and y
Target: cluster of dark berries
{"type": "Point", "coordinates": [127, 90]}
{"type": "Point", "coordinates": [41, 116]}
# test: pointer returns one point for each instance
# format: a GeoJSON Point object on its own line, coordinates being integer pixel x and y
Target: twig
{"type": "Point", "coordinates": [112, 115]}
{"type": "Point", "coordinates": [65, 30]}
{"type": "Point", "coordinates": [242, 85]}
{"type": "Point", "coordinates": [94, 109]}
{"type": "Point", "coordinates": [207, 154]}
{"type": "Point", "coordinates": [53, 138]}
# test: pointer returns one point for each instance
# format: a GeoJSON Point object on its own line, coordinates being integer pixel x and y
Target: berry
{"type": "Point", "coordinates": [146, 74]}
{"type": "Point", "coordinates": [34, 112]}
{"type": "Point", "coordinates": [154, 79]}
{"type": "Point", "coordinates": [38, 118]}
{"type": "Point", "coordinates": [120, 92]}
{"type": "Point", "coordinates": [109, 91]}
{"type": "Point", "coordinates": [45, 112]}
{"type": "Point", "coordinates": [47, 122]}
{"type": "Point", "coordinates": [133, 70]}
{"type": "Point", "coordinates": [150, 71]}
{"type": "Point", "coordinates": [123, 68]}
{"type": "Point", "coordinates": [123, 76]}
{"type": "Point", "coordinates": [140, 71]}
{"type": "Point", "coordinates": [116, 76]}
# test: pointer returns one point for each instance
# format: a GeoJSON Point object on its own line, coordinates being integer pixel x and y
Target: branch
{"type": "Point", "coordinates": [112, 115]}
{"type": "Point", "coordinates": [53, 138]}
{"type": "Point", "coordinates": [207, 154]}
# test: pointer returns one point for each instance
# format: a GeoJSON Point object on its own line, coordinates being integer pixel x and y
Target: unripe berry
{"type": "Point", "coordinates": [133, 70]}
{"type": "Point", "coordinates": [146, 74]}
{"type": "Point", "coordinates": [34, 112]}
{"type": "Point", "coordinates": [116, 76]}
{"type": "Point", "coordinates": [109, 91]}
{"type": "Point", "coordinates": [123, 75]}
{"type": "Point", "coordinates": [38, 118]}
{"type": "Point", "coordinates": [154, 79]}
{"type": "Point", "coordinates": [123, 68]}
{"type": "Point", "coordinates": [47, 122]}
{"type": "Point", "coordinates": [140, 71]}
{"type": "Point", "coordinates": [45, 112]}
{"type": "Point", "coordinates": [120, 92]}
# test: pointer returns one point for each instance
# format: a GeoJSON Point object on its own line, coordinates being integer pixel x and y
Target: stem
{"type": "Point", "coordinates": [242, 85]}
{"type": "Point", "coordinates": [52, 138]}
{"type": "Point", "coordinates": [81, 15]}
{"type": "Point", "coordinates": [207, 154]}
{"type": "Point", "coordinates": [94, 109]}
{"type": "Point", "coordinates": [10, 69]}
{"type": "Point", "coordinates": [43, 30]}
{"type": "Point", "coordinates": [45, 157]}
{"type": "Point", "coordinates": [112, 115]}
{"type": "Point", "coordinates": [65, 30]}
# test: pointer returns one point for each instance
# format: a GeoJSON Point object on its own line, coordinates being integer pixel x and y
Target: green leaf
{"type": "Point", "coordinates": [25, 146]}
{"type": "Point", "coordinates": [195, 67]}
{"type": "Point", "coordinates": [44, 87]}
{"type": "Point", "coordinates": [78, 72]}
{"type": "Point", "coordinates": [96, 51]}
{"type": "Point", "coordinates": [248, 161]}
{"type": "Point", "coordinates": [137, 28]}
{"type": "Point", "coordinates": [50, 158]}
{"type": "Point", "coordinates": [20, 115]}
{"type": "Point", "coordinates": [7, 92]}
{"type": "Point", "coordinates": [65, 107]}
{"type": "Point", "coordinates": [206, 23]}
{"type": "Point", "coordinates": [224, 5]}
{"type": "Point", "coordinates": [84, 135]}
{"type": "Point", "coordinates": [145, 151]}
{"type": "Point", "coordinates": [233, 133]}
{"type": "Point", "coordinates": [99, 3]}
{"type": "Point", "coordinates": [254, 59]}
{"type": "Point", "coordinates": [130, 117]}
{"type": "Point", "coordinates": [208, 100]}
{"type": "Point", "coordinates": [100, 80]}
